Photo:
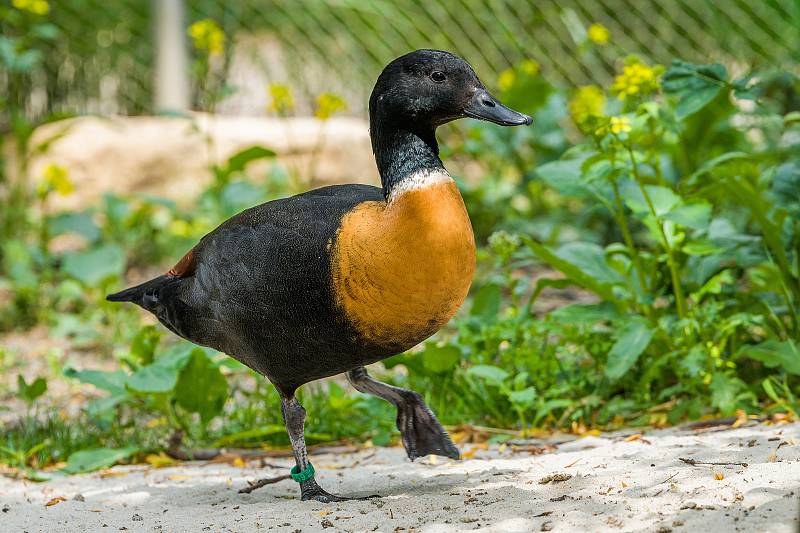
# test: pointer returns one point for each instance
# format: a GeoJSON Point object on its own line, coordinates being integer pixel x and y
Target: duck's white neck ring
{"type": "Point", "coordinates": [419, 179]}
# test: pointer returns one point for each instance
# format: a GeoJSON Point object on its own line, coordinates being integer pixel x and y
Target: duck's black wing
{"type": "Point", "coordinates": [258, 287]}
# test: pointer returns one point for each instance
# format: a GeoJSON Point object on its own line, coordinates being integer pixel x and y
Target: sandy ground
{"type": "Point", "coordinates": [612, 484]}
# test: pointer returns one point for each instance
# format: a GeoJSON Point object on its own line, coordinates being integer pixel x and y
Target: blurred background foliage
{"type": "Point", "coordinates": [639, 246]}
{"type": "Point", "coordinates": [96, 57]}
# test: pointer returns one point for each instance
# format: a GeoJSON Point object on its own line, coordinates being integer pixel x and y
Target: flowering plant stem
{"type": "Point", "coordinates": [680, 300]}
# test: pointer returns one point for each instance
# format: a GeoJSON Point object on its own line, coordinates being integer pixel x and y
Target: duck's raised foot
{"type": "Point", "coordinates": [421, 432]}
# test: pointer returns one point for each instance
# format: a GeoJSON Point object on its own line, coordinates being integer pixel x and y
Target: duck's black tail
{"type": "Point", "coordinates": [145, 295]}
{"type": "Point", "coordinates": [160, 297]}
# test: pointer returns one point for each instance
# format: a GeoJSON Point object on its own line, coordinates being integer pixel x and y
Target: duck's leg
{"type": "Point", "coordinates": [422, 434]}
{"type": "Point", "coordinates": [294, 417]}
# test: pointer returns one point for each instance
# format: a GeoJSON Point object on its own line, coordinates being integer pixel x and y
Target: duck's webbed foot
{"type": "Point", "coordinates": [294, 417]}
{"type": "Point", "coordinates": [311, 491]}
{"type": "Point", "coordinates": [421, 432]}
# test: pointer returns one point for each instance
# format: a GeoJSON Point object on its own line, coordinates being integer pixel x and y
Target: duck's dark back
{"type": "Point", "coordinates": [259, 289]}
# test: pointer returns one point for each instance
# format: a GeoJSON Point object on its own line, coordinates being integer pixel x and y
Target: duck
{"type": "Point", "coordinates": [334, 279]}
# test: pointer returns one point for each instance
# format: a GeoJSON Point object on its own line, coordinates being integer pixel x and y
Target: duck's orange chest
{"type": "Point", "coordinates": [402, 269]}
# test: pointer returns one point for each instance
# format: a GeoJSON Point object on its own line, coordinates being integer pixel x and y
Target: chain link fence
{"type": "Point", "coordinates": [99, 57]}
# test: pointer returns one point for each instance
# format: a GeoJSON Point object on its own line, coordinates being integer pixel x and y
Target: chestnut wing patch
{"type": "Point", "coordinates": [185, 267]}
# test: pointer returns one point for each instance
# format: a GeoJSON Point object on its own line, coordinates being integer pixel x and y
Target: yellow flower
{"type": "Point", "coordinates": [619, 125]}
{"type": "Point", "coordinates": [55, 178]}
{"type": "Point", "coordinates": [37, 7]}
{"type": "Point", "coordinates": [282, 99]}
{"type": "Point", "coordinates": [180, 228]}
{"type": "Point", "coordinates": [636, 78]}
{"type": "Point", "coordinates": [589, 101]}
{"type": "Point", "coordinates": [207, 35]}
{"type": "Point", "coordinates": [506, 79]}
{"type": "Point", "coordinates": [529, 67]}
{"type": "Point", "coordinates": [328, 104]}
{"type": "Point", "coordinates": [598, 34]}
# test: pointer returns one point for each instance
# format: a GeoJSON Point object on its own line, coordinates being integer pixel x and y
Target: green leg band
{"type": "Point", "coordinates": [305, 475]}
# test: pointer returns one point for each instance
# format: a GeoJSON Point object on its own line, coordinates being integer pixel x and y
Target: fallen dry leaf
{"type": "Point", "coordinates": [113, 473]}
{"type": "Point", "coordinates": [239, 462]}
{"type": "Point", "coordinates": [718, 476]}
{"type": "Point", "coordinates": [469, 454]}
{"type": "Point", "coordinates": [631, 438]}
{"type": "Point", "coordinates": [159, 460]}
{"type": "Point", "coordinates": [55, 501]}
{"type": "Point", "coordinates": [177, 477]}
{"type": "Point", "coordinates": [554, 478]}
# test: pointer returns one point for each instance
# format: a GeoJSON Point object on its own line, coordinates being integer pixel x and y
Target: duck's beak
{"type": "Point", "coordinates": [484, 106]}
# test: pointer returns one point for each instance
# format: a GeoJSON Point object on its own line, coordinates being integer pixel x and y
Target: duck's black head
{"type": "Point", "coordinates": [415, 94]}
{"type": "Point", "coordinates": [430, 88]}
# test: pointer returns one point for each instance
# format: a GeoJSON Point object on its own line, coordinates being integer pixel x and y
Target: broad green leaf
{"type": "Point", "coordinates": [491, 374]}
{"type": "Point", "coordinates": [631, 341]}
{"type": "Point", "coordinates": [113, 382]}
{"type": "Point", "coordinates": [523, 398]}
{"type": "Point", "coordinates": [29, 392]}
{"type": "Point", "coordinates": [694, 362]}
{"type": "Point", "coordinates": [238, 161]}
{"type": "Point", "coordinates": [570, 270]}
{"type": "Point", "coordinates": [786, 186]}
{"type": "Point", "coordinates": [585, 313]}
{"type": "Point", "coordinates": [591, 259]}
{"type": "Point", "coordinates": [201, 387]}
{"type": "Point", "coordinates": [486, 302]}
{"type": "Point", "coordinates": [695, 215]}
{"type": "Point", "coordinates": [414, 362]}
{"type": "Point", "coordinates": [701, 247]}
{"type": "Point", "coordinates": [162, 375]}
{"type": "Point", "coordinates": [711, 164]}
{"type": "Point", "coordinates": [663, 199]}
{"type": "Point", "coordinates": [93, 266]}
{"type": "Point", "coordinates": [714, 285]}
{"type": "Point", "coordinates": [565, 176]}
{"type": "Point", "coordinates": [770, 390]}
{"type": "Point", "coordinates": [784, 355]}
{"type": "Point", "coordinates": [104, 407]}
{"type": "Point", "coordinates": [144, 344]}
{"type": "Point", "coordinates": [694, 85]}
{"type": "Point", "coordinates": [95, 459]}
{"type": "Point", "coordinates": [79, 223]}
{"type": "Point", "coordinates": [239, 195]}
{"type": "Point", "coordinates": [440, 359]}
{"type": "Point", "coordinates": [724, 392]}
{"type": "Point", "coordinates": [18, 264]}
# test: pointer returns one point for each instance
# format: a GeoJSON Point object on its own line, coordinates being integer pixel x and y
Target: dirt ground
{"type": "Point", "coordinates": [610, 483]}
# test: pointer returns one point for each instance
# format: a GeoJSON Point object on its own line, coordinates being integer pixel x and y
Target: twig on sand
{"type": "Point", "coordinates": [253, 485]}
{"type": "Point", "coordinates": [695, 462]}
{"type": "Point", "coordinates": [669, 478]}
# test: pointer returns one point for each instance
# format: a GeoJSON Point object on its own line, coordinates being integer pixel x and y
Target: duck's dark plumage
{"type": "Point", "coordinates": [259, 288]}
{"type": "Point", "coordinates": [328, 281]}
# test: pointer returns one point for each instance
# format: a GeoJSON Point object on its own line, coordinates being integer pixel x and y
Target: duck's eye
{"type": "Point", "coordinates": [438, 76]}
